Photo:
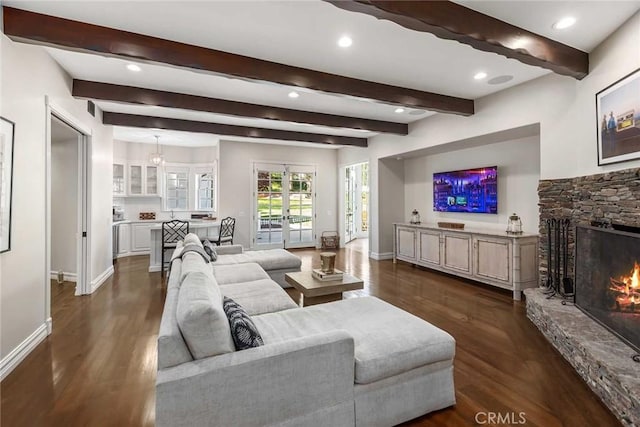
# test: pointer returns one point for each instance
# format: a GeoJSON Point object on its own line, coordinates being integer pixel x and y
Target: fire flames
{"type": "Point", "coordinates": [627, 289]}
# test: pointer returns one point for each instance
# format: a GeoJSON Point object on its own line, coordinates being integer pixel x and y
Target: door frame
{"type": "Point", "coordinates": [254, 207]}
{"type": "Point", "coordinates": [342, 170]}
{"type": "Point", "coordinates": [83, 237]}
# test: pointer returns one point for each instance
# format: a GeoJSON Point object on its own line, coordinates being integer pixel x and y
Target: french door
{"type": "Point", "coordinates": [284, 206]}
{"type": "Point", "coordinates": [350, 205]}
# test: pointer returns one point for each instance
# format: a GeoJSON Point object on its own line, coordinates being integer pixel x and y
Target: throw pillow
{"type": "Point", "coordinates": [210, 249]}
{"type": "Point", "coordinates": [243, 331]}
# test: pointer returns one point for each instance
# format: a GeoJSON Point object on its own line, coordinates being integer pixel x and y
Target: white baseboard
{"type": "Point", "coordinates": [379, 256]}
{"type": "Point", "coordinates": [68, 277]}
{"type": "Point", "coordinates": [98, 281]}
{"type": "Point", "coordinates": [18, 354]}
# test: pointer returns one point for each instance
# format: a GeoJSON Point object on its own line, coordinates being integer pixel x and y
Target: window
{"type": "Point", "coordinates": [177, 191]}
{"type": "Point", "coordinates": [191, 187]}
{"type": "Point", "coordinates": [205, 189]}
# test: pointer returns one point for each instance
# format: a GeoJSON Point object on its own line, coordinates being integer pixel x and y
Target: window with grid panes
{"type": "Point", "coordinates": [205, 179]}
{"type": "Point", "coordinates": [177, 189]}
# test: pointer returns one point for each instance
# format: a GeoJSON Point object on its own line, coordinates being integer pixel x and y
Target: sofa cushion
{"type": "Point", "coordinates": [388, 340]}
{"type": "Point", "coordinates": [201, 317]}
{"type": "Point", "coordinates": [192, 239]}
{"type": "Point", "coordinates": [193, 262]}
{"type": "Point", "coordinates": [269, 259]}
{"type": "Point", "coordinates": [259, 296]}
{"type": "Point", "coordinates": [238, 273]}
{"type": "Point", "coordinates": [172, 350]}
{"type": "Point", "coordinates": [243, 331]}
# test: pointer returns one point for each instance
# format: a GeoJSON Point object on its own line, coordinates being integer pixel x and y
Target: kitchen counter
{"type": "Point", "coordinates": [193, 224]}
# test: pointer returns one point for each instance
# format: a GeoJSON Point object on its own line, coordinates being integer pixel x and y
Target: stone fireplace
{"type": "Point", "coordinates": [605, 266]}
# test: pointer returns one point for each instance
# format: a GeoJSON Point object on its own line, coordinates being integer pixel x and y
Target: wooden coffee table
{"type": "Point", "coordinates": [316, 291]}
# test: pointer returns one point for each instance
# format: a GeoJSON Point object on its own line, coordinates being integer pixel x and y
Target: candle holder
{"type": "Point", "coordinates": [415, 217]}
{"type": "Point", "coordinates": [514, 226]}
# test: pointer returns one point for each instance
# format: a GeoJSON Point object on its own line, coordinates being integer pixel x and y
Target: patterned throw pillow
{"type": "Point", "coordinates": [243, 331]}
{"type": "Point", "coordinates": [210, 249]}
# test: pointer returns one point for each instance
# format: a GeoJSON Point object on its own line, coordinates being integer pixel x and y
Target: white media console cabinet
{"type": "Point", "coordinates": [488, 256]}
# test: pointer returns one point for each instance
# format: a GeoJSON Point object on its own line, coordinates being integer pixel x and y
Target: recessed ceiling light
{"type": "Point", "coordinates": [481, 75]}
{"type": "Point", "coordinates": [345, 41]}
{"type": "Point", "coordinates": [293, 94]}
{"type": "Point", "coordinates": [564, 23]}
{"type": "Point", "coordinates": [133, 67]}
{"type": "Point", "coordinates": [399, 110]}
{"type": "Point", "coordinates": [500, 79]}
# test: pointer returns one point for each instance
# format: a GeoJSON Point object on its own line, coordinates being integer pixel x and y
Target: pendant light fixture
{"type": "Point", "coordinates": [157, 158]}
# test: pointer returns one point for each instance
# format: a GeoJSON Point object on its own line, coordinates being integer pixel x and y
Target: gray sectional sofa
{"type": "Point", "coordinates": [355, 362]}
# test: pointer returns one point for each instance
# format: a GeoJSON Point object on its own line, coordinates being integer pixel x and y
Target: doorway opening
{"type": "Point", "coordinates": [67, 204]}
{"type": "Point", "coordinates": [284, 206]}
{"type": "Point", "coordinates": [356, 202]}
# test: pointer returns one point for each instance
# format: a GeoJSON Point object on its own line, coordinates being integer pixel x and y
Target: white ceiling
{"type": "Point", "coordinates": [304, 33]}
{"type": "Point", "coordinates": [167, 137]}
{"type": "Point", "coordinates": [595, 20]}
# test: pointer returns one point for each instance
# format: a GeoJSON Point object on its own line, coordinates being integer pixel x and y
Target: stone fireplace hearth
{"type": "Point", "coordinates": [602, 359]}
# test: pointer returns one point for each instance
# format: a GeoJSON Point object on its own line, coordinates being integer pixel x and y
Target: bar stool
{"type": "Point", "coordinates": [172, 232]}
{"type": "Point", "coordinates": [225, 235]}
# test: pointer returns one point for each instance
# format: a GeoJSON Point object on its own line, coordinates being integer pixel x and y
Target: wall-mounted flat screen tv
{"type": "Point", "coordinates": [469, 190]}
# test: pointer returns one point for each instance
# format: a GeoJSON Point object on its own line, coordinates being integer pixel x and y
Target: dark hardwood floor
{"type": "Point", "coordinates": [98, 366]}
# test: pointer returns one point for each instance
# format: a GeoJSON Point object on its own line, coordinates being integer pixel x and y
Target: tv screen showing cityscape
{"type": "Point", "coordinates": [470, 190]}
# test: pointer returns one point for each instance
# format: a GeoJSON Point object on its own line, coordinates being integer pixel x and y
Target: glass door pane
{"type": "Point", "coordinates": [135, 179]}
{"type": "Point", "coordinates": [152, 180]}
{"type": "Point", "coordinates": [269, 208]}
{"type": "Point", "coordinates": [118, 179]}
{"type": "Point", "coordinates": [349, 204]}
{"type": "Point", "coordinates": [300, 213]}
{"type": "Point", "coordinates": [362, 220]}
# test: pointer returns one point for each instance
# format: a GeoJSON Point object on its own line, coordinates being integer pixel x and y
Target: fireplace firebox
{"type": "Point", "coordinates": [608, 280]}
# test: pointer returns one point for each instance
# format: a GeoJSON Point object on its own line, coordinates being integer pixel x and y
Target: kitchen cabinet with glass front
{"type": "Point", "coordinates": [143, 180]}
{"type": "Point", "coordinates": [119, 181]}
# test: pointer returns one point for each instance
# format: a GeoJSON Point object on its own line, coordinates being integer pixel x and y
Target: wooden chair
{"type": "Point", "coordinates": [172, 232]}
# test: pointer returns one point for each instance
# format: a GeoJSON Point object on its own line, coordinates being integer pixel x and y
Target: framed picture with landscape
{"type": "Point", "coordinates": [7, 130]}
{"type": "Point", "coordinates": [618, 113]}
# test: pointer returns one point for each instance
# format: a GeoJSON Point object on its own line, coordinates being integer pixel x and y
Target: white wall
{"type": "Point", "coordinates": [352, 155]}
{"type": "Point", "coordinates": [390, 181]}
{"type": "Point", "coordinates": [132, 151]}
{"type": "Point", "coordinates": [28, 75]}
{"type": "Point", "coordinates": [563, 107]}
{"type": "Point", "coordinates": [235, 172]}
{"type": "Point", "coordinates": [64, 205]}
{"type": "Point", "coordinates": [518, 175]}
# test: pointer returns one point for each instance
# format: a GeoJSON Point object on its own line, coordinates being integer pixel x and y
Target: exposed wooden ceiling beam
{"type": "Point", "coordinates": [141, 96]}
{"type": "Point", "coordinates": [133, 120]}
{"type": "Point", "coordinates": [37, 28]}
{"type": "Point", "coordinates": [452, 21]}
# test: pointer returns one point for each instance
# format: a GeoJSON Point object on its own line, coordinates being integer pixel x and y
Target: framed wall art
{"type": "Point", "coordinates": [7, 136]}
{"type": "Point", "coordinates": [618, 112]}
